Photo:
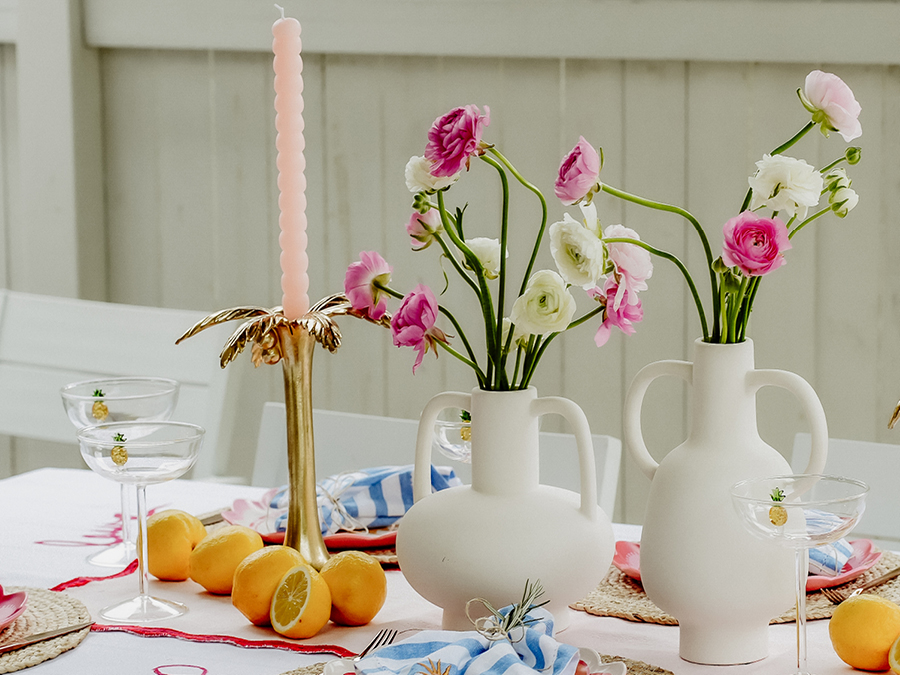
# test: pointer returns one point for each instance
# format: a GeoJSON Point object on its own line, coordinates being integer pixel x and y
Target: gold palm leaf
{"type": "Point", "coordinates": [233, 314]}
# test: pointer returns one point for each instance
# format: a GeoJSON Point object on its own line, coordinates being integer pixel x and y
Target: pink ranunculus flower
{"type": "Point", "coordinates": [621, 316]}
{"type": "Point", "coordinates": [454, 138]}
{"type": "Point", "coordinates": [359, 284]}
{"type": "Point", "coordinates": [422, 227]}
{"type": "Point", "coordinates": [413, 324]}
{"type": "Point", "coordinates": [632, 264]}
{"type": "Point", "coordinates": [578, 173]}
{"type": "Point", "coordinates": [755, 245]}
{"type": "Point", "coordinates": [832, 104]}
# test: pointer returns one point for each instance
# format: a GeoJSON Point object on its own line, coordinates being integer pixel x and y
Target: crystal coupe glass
{"type": "Point", "coordinates": [140, 454]}
{"type": "Point", "coordinates": [119, 399]}
{"type": "Point", "coordinates": [801, 512]}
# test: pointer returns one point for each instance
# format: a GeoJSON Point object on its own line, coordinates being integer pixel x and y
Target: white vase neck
{"type": "Point", "coordinates": [505, 457]}
{"type": "Point", "coordinates": [723, 405]}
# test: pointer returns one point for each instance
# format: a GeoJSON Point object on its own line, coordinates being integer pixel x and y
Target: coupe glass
{"type": "Point", "coordinates": [800, 512]}
{"type": "Point", "coordinates": [453, 435]}
{"type": "Point", "coordinates": [139, 454]}
{"type": "Point", "coordinates": [119, 399]}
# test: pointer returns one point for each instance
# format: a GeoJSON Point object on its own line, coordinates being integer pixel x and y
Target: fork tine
{"type": "Point", "coordinates": [835, 597]}
{"type": "Point", "coordinates": [374, 644]}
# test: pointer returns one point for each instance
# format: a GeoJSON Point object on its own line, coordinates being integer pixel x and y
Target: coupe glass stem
{"type": "Point", "coordinates": [126, 515]}
{"type": "Point", "coordinates": [801, 568]}
{"type": "Point", "coordinates": [143, 578]}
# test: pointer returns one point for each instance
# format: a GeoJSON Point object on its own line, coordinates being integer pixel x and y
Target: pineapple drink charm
{"type": "Point", "coordinates": [119, 455]}
{"type": "Point", "coordinates": [99, 411]}
{"type": "Point", "coordinates": [777, 514]}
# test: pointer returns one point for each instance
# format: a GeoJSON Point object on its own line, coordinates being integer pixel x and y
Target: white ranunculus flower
{"type": "Point", "coordinates": [419, 178]}
{"type": "Point", "coordinates": [843, 200]}
{"type": "Point", "coordinates": [546, 306]}
{"type": "Point", "coordinates": [785, 184]}
{"type": "Point", "coordinates": [577, 252]}
{"type": "Point", "coordinates": [488, 253]}
{"type": "Point", "coordinates": [591, 221]}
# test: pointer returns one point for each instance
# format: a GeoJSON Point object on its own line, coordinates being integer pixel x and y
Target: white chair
{"type": "Point", "coordinates": [47, 342]}
{"type": "Point", "coordinates": [878, 465]}
{"type": "Point", "coordinates": [350, 441]}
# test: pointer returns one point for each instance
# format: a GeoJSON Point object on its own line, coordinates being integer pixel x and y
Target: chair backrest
{"type": "Point", "coordinates": [878, 465]}
{"type": "Point", "coordinates": [350, 441]}
{"type": "Point", "coordinates": [47, 342]}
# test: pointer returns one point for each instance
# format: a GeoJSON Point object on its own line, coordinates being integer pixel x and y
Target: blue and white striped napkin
{"type": "Point", "coordinates": [369, 498]}
{"type": "Point", "coordinates": [828, 559]}
{"type": "Point", "coordinates": [470, 653]}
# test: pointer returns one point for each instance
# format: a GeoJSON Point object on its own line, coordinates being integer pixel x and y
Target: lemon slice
{"type": "Point", "coordinates": [894, 656]}
{"type": "Point", "coordinates": [301, 604]}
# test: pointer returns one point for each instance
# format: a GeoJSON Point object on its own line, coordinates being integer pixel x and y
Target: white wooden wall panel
{"type": "Point", "coordinates": [191, 204]}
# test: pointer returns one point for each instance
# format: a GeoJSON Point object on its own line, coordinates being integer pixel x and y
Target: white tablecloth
{"type": "Point", "coordinates": [64, 505]}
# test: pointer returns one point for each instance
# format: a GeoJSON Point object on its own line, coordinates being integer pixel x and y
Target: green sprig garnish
{"type": "Point", "coordinates": [778, 495]}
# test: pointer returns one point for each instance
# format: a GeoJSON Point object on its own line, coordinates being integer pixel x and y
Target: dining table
{"type": "Point", "coordinates": [53, 518]}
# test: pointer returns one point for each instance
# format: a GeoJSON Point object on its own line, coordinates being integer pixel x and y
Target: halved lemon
{"type": "Point", "coordinates": [894, 657]}
{"type": "Point", "coordinates": [301, 604]}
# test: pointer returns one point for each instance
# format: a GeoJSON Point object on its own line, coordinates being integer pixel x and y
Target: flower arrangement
{"type": "Point", "coordinates": [755, 244]}
{"type": "Point", "coordinates": [611, 270]}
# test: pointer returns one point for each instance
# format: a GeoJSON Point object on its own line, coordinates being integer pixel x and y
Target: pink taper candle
{"type": "Point", "coordinates": [291, 164]}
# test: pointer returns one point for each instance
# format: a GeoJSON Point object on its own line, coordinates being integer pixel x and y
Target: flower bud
{"type": "Point", "coordinates": [836, 180]}
{"type": "Point", "coordinates": [843, 200]}
{"type": "Point", "coordinates": [421, 203]}
{"type": "Point", "coordinates": [853, 155]}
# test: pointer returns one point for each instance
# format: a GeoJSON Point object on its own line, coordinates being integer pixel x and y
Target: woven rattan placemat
{"type": "Point", "coordinates": [634, 668]}
{"type": "Point", "coordinates": [621, 596]}
{"type": "Point", "coordinates": [46, 610]}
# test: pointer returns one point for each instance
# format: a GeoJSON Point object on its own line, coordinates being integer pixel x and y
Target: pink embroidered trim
{"type": "Point", "coordinates": [84, 581]}
{"type": "Point", "coordinates": [150, 631]}
{"type": "Point", "coordinates": [159, 669]}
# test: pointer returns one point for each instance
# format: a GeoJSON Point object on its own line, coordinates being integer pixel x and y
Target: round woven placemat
{"type": "Point", "coordinates": [46, 610]}
{"type": "Point", "coordinates": [634, 667]}
{"type": "Point", "coordinates": [621, 596]}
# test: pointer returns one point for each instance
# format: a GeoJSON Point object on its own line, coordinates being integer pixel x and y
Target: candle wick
{"type": "Point", "coordinates": [282, 10]}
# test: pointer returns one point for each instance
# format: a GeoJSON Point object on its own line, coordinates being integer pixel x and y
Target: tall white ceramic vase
{"type": "Point", "coordinates": [488, 539]}
{"type": "Point", "coordinates": [698, 563]}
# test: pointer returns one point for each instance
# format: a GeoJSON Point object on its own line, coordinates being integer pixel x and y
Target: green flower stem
{"type": "Point", "coordinates": [828, 167]}
{"type": "Point", "coordinates": [472, 360]}
{"type": "Point", "coordinates": [748, 308]}
{"type": "Point", "coordinates": [455, 263]}
{"type": "Point", "coordinates": [687, 277]}
{"type": "Point", "coordinates": [540, 235]}
{"type": "Point", "coordinates": [518, 363]}
{"type": "Point", "coordinates": [806, 222]}
{"type": "Point", "coordinates": [777, 151]}
{"type": "Point", "coordinates": [501, 381]}
{"type": "Point", "coordinates": [734, 322]}
{"type": "Point", "coordinates": [540, 352]}
{"type": "Point", "coordinates": [707, 251]}
{"type": "Point", "coordinates": [474, 366]}
{"type": "Point", "coordinates": [484, 294]}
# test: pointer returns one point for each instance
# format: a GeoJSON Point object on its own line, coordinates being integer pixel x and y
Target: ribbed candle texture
{"type": "Point", "coordinates": [291, 163]}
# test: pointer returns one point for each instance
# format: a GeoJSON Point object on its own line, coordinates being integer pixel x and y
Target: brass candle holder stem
{"type": "Point", "coordinates": [304, 532]}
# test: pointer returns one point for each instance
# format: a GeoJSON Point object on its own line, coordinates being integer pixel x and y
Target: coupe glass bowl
{"type": "Point", "coordinates": [452, 435]}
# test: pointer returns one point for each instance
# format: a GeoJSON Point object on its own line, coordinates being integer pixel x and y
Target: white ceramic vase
{"type": "Point", "coordinates": [488, 539]}
{"type": "Point", "coordinates": [697, 561]}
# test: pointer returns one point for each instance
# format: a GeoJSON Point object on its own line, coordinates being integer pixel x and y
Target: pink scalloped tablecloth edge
{"type": "Point", "coordinates": [157, 631]}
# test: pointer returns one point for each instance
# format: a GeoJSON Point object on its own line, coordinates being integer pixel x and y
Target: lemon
{"type": "Point", "coordinates": [358, 587]}
{"type": "Point", "coordinates": [862, 630]}
{"type": "Point", "coordinates": [301, 604]}
{"type": "Point", "coordinates": [894, 656]}
{"type": "Point", "coordinates": [171, 536]}
{"type": "Point", "coordinates": [257, 577]}
{"type": "Point", "coordinates": [215, 559]}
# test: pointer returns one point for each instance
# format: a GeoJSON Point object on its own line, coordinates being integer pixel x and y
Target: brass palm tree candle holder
{"type": "Point", "coordinates": [276, 338]}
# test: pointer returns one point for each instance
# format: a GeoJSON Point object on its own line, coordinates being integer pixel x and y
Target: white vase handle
{"type": "Point", "coordinates": [425, 436]}
{"type": "Point", "coordinates": [812, 408]}
{"type": "Point", "coordinates": [587, 462]}
{"type": "Point", "coordinates": [634, 399]}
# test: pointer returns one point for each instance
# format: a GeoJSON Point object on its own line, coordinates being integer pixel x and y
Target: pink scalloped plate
{"type": "Point", "coordinates": [628, 559]}
{"type": "Point", "coordinates": [11, 607]}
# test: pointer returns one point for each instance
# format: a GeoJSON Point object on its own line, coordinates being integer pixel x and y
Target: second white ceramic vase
{"type": "Point", "coordinates": [697, 561]}
{"type": "Point", "coordinates": [488, 539]}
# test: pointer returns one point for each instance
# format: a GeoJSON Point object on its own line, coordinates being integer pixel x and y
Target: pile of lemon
{"type": "Point", "coordinates": [865, 633]}
{"type": "Point", "coordinates": [270, 585]}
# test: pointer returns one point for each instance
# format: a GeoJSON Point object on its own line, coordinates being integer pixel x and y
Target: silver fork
{"type": "Point", "coordinates": [836, 596]}
{"type": "Point", "coordinates": [382, 638]}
